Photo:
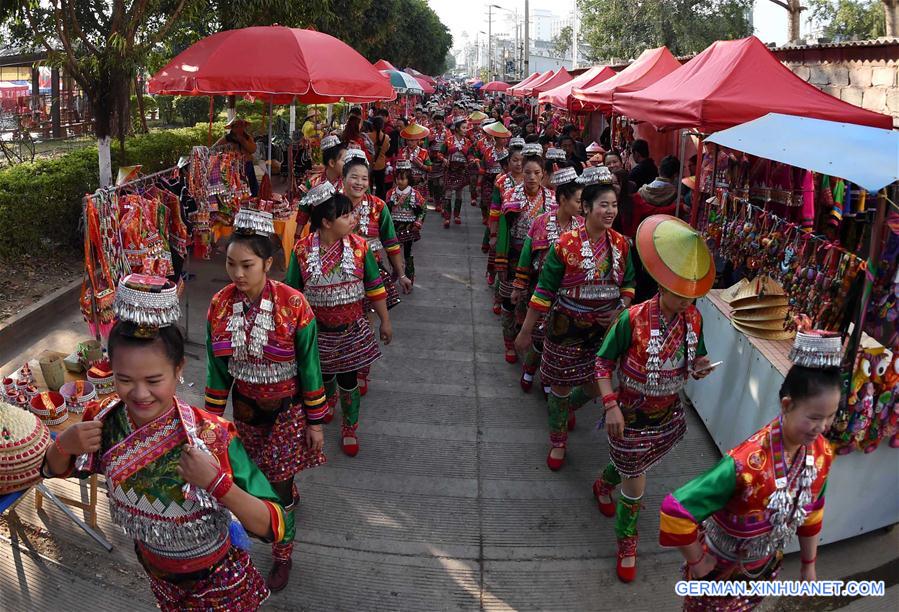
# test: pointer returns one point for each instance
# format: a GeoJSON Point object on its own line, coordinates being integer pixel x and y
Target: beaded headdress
{"type": "Point", "coordinates": [595, 175]}
{"type": "Point", "coordinates": [250, 220]}
{"type": "Point", "coordinates": [555, 154]}
{"type": "Point", "coordinates": [318, 195]}
{"type": "Point", "coordinates": [329, 141]}
{"type": "Point", "coordinates": [149, 302]}
{"type": "Point", "coordinates": [352, 154]}
{"type": "Point", "coordinates": [404, 164]}
{"type": "Point", "coordinates": [517, 142]}
{"type": "Point", "coordinates": [501, 155]}
{"type": "Point", "coordinates": [814, 348]}
{"type": "Point", "coordinates": [532, 148]}
{"type": "Point", "coordinates": [562, 176]}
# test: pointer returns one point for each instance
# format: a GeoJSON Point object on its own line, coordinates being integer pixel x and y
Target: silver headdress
{"type": "Point", "coordinates": [532, 148]}
{"type": "Point", "coordinates": [595, 175]}
{"type": "Point", "coordinates": [329, 141]}
{"type": "Point", "coordinates": [404, 164]}
{"type": "Point", "coordinates": [555, 154]}
{"type": "Point", "coordinates": [252, 221]}
{"type": "Point", "coordinates": [147, 301]}
{"type": "Point", "coordinates": [352, 154]}
{"type": "Point", "coordinates": [562, 176]}
{"type": "Point", "coordinates": [517, 142]}
{"type": "Point", "coordinates": [318, 195]}
{"type": "Point", "coordinates": [817, 349]}
{"type": "Point", "coordinates": [501, 155]}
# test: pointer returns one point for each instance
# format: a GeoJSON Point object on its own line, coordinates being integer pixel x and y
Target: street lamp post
{"type": "Point", "coordinates": [490, 42]}
{"type": "Point", "coordinates": [526, 59]}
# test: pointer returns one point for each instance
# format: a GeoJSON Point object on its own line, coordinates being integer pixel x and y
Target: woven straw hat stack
{"type": "Point", "coordinates": [759, 308]}
{"type": "Point", "coordinates": [23, 441]}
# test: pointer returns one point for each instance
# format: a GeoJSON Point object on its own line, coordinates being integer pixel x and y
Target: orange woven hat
{"type": "Point", "coordinates": [414, 132]}
{"type": "Point", "coordinates": [676, 256]}
{"type": "Point", "coordinates": [497, 130]}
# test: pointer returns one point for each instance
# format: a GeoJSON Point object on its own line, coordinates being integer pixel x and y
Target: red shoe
{"type": "Point", "coordinates": [329, 416]}
{"type": "Point", "coordinates": [526, 384]}
{"type": "Point", "coordinates": [279, 575]}
{"type": "Point", "coordinates": [350, 449]}
{"type": "Point", "coordinates": [363, 385]}
{"type": "Point", "coordinates": [497, 309]}
{"type": "Point", "coordinates": [438, 208]}
{"type": "Point", "coordinates": [511, 356]}
{"type": "Point", "coordinates": [457, 221]}
{"type": "Point", "coordinates": [491, 278]}
{"type": "Point", "coordinates": [600, 488]}
{"type": "Point", "coordinates": [554, 464]}
{"type": "Point", "coordinates": [446, 224]}
{"type": "Point", "coordinates": [572, 420]}
{"type": "Point", "coordinates": [627, 547]}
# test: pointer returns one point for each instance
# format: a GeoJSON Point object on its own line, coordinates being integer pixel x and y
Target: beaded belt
{"type": "Point", "coordinates": [592, 291]}
{"type": "Point", "coordinates": [404, 216]}
{"type": "Point", "coordinates": [731, 548]}
{"type": "Point", "coordinates": [665, 386]}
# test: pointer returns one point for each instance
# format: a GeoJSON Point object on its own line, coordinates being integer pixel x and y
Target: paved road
{"type": "Point", "coordinates": [448, 506]}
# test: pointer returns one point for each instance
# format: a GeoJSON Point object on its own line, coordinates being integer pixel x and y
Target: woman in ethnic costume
{"type": "Point", "coordinates": [175, 474]}
{"type": "Point", "coordinates": [333, 152]}
{"type": "Point", "coordinates": [733, 522]}
{"type": "Point", "coordinates": [544, 232]}
{"type": "Point", "coordinates": [477, 138]}
{"type": "Point", "coordinates": [262, 349]}
{"type": "Point", "coordinates": [505, 181]}
{"type": "Point", "coordinates": [586, 280]}
{"type": "Point", "coordinates": [407, 207]}
{"type": "Point", "coordinates": [493, 149]}
{"type": "Point", "coordinates": [437, 151]}
{"type": "Point", "coordinates": [459, 154]}
{"type": "Point", "coordinates": [655, 346]}
{"type": "Point", "coordinates": [338, 274]}
{"type": "Point", "coordinates": [414, 136]}
{"type": "Point", "coordinates": [521, 206]}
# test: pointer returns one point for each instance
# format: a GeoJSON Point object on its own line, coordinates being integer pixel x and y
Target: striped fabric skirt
{"type": "Point", "coordinates": [406, 232]}
{"type": "Point", "coordinates": [349, 349]}
{"type": "Point", "coordinates": [456, 176]}
{"type": "Point", "coordinates": [274, 433]}
{"type": "Point", "coordinates": [233, 583]}
{"type": "Point", "coordinates": [569, 350]}
{"type": "Point", "coordinates": [727, 571]}
{"type": "Point", "coordinates": [650, 432]}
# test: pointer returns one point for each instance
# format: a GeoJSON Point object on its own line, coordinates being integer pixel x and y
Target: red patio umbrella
{"type": "Point", "coordinates": [383, 64]}
{"type": "Point", "coordinates": [426, 87]}
{"type": "Point", "coordinates": [420, 75]}
{"type": "Point", "coordinates": [275, 63]}
{"type": "Point", "coordinates": [494, 86]}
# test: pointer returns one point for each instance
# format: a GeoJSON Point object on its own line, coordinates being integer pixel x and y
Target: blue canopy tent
{"type": "Point", "coordinates": [866, 156]}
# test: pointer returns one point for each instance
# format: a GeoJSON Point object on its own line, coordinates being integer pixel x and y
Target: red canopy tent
{"type": "Point", "coordinates": [426, 87]}
{"type": "Point", "coordinates": [652, 65]}
{"type": "Point", "coordinates": [530, 79]}
{"type": "Point", "coordinates": [420, 75]}
{"type": "Point", "coordinates": [732, 82]}
{"type": "Point", "coordinates": [559, 78]}
{"type": "Point", "coordinates": [525, 90]}
{"type": "Point", "coordinates": [383, 64]}
{"type": "Point", "coordinates": [560, 96]}
{"type": "Point", "coordinates": [495, 86]}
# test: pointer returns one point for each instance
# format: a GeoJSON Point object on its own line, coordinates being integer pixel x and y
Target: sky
{"type": "Point", "coordinates": [470, 16]}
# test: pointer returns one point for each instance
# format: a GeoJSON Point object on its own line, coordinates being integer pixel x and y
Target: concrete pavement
{"type": "Point", "coordinates": [449, 504]}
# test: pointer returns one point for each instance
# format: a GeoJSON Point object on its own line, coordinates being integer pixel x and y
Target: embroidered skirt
{"type": "Point", "coordinates": [456, 176]}
{"type": "Point", "coordinates": [393, 292]}
{"type": "Point", "coordinates": [727, 571]}
{"type": "Point", "coordinates": [232, 584]}
{"type": "Point", "coordinates": [407, 232]}
{"type": "Point", "coordinates": [349, 349]}
{"type": "Point", "coordinates": [652, 427]}
{"type": "Point", "coordinates": [569, 350]}
{"type": "Point", "coordinates": [274, 434]}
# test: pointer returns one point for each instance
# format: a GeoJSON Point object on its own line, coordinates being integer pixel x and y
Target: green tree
{"type": "Point", "coordinates": [624, 28]}
{"type": "Point", "coordinates": [561, 42]}
{"type": "Point", "coordinates": [849, 19]}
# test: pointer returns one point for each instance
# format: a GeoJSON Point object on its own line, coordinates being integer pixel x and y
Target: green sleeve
{"type": "Point", "coordinates": [371, 272]}
{"type": "Point", "coordinates": [618, 338]}
{"type": "Point", "coordinates": [386, 231]}
{"type": "Point", "coordinates": [630, 276]}
{"type": "Point", "coordinates": [496, 197]}
{"type": "Point", "coordinates": [700, 345]}
{"type": "Point", "coordinates": [551, 273]}
{"type": "Point", "coordinates": [218, 379]}
{"type": "Point", "coordinates": [706, 494]}
{"type": "Point", "coordinates": [247, 476]}
{"type": "Point", "coordinates": [294, 278]}
{"type": "Point", "coordinates": [524, 260]}
{"type": "Point", "coordinates": [502, 236]}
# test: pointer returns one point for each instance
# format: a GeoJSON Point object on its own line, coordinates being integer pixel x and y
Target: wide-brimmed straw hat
{"type": "Point", "coordinates": [676, 256]}
{"type": "Point", "coordinates": [497, 130]}
{"type": "Point", "coordinates": [764, 334]}
{"type": "Point", "coordinates": [414, 131]}
{"type": "Point", "coordinates": [760, 292]}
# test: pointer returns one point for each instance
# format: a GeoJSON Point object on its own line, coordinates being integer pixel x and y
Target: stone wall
{"type": "Point", "coordinates": [868, 77]}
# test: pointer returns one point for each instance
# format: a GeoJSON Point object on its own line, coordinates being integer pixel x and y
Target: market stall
{"type": "Point", "coordinates": [797, 209]}
{"type": "Point", "coordinates": [561, 96]}
{"type": "Point", "coordinates": [515, 90]}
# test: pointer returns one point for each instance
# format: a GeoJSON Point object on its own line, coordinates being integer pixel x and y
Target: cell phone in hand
{"type": "Point", "coordinates": [711, 366]}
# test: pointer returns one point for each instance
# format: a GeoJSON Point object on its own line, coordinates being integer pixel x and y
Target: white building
{"type": "Point", "coordinates": [541, 26]}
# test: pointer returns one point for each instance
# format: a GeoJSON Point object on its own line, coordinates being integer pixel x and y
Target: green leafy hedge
{"type": "Point", "coordinates": [40, 202]}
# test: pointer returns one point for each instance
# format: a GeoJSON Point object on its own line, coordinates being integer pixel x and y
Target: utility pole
{"type": "Point", "coordinates": [526, 59]}
{"type": "Point", "coordinates": [575, 27]}
{"type": "Point", "coordinates": [489, 42]}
